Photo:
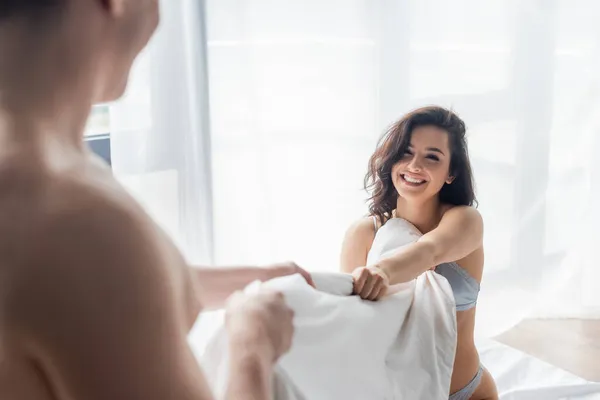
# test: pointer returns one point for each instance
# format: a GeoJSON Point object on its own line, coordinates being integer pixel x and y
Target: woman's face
{"type": "Point", "coordinates": [425, 167]}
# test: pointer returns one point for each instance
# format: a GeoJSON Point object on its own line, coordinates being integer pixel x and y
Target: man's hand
{"type": "Point", "coordinates": [288, 268]}
{"type": "Point", "coordinates": [260, 322]}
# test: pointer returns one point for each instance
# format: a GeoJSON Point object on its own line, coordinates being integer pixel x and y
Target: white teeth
{"type": "Point", "coordinates": [411, 180]}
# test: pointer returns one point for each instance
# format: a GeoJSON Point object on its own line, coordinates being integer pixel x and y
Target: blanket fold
{"type": "Point", "coordinates": [401, 347]}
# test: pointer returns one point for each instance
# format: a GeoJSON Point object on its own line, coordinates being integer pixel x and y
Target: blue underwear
{"type": "Point", "coordinates": [466, 392]}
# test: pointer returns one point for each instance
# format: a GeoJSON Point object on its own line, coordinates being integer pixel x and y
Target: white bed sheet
{"type": "Point", "coordinates": [518, 376]}
{"type": "Point", "coordinates": [522, 377]}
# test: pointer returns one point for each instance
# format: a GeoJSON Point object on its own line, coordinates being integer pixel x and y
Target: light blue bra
{"type": "Point", "coordinates": [464, 287]}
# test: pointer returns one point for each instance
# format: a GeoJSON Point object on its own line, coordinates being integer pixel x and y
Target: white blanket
{"type": "Point", "coordinates": [401, 347]}
{"type": "Point", "coordinates": [523, 377]}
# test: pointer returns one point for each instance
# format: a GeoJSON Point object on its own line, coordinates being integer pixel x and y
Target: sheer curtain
{"type": "Point", "coordinates": [159, 131]}
{"type": "Point", "coordinates": [299, 92]}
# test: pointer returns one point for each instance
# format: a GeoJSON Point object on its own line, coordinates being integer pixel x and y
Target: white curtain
{"type": "Point", "coordinates": [300, 90]}
{"type": "Point", "coordinates": [159, 131]}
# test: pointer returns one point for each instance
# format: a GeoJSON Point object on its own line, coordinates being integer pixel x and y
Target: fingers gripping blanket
{"type": "Point", "coordinates": [401, 347]}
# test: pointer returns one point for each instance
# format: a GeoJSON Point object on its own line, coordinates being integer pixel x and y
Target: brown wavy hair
{"type": "Point", "coordinates": [393, 144]}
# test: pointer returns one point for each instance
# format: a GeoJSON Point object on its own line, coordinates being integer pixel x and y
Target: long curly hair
{"type": "Point", "coordinates": [392, 145]}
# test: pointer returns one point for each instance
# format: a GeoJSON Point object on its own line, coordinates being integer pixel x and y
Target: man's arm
{"type": "Point", "coordinates": [105, 317]}
{"type": "Point", "coordinates": [253, 375]}
{"type": "Point", "coordinates": [216, 284]}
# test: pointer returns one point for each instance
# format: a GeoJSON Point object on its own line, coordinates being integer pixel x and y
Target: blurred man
{"type": "Point", "coordinates": [95, 300]}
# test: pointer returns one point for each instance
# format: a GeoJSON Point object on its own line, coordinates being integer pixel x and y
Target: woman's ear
{"type": "Point", "coordinates": [450, 180]}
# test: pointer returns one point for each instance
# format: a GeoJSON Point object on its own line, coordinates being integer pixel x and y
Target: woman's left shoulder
{"type": "Point", "coordinates": [470, 220]}
{"type": "Point", "coordinates": [463, 213]}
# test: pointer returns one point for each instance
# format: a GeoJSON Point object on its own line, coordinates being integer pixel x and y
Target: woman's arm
{"type": "Point", "coordinates": [459, 233]}
{"type": "Point", "coordinates": [369, 282]}
{"type": "Point", "coordinates": [356, 245]}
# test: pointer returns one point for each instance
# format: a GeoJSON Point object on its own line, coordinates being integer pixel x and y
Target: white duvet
{"type": "Point", "coordinates": [523, 377]}
{"type": "Point", "coordinates": [401, 347]}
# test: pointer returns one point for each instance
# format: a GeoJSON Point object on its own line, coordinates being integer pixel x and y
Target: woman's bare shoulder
{"type": "Point", "coordinates": [357, 243]}
{"type": "Point", "coordinates": [473, 263]}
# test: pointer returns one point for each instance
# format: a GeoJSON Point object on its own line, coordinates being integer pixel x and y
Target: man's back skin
{"type": "Point", "coordinates": [95, 301]}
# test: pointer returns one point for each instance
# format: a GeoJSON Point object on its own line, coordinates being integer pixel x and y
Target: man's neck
{"type": "Point", "coordinates": [40, 125]}
{"type": "Point", "coordinates": [41, 94]}
{"type": "Point", "coordinates": [424, 215]}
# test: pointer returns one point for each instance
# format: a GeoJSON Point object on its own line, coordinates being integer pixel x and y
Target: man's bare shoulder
{"type": "Point", "coordinates": [95, 215]}
{"type": "Point", "coordinates": [99, 299]}
{"type": "Point", "coordinates": [86, 186]}
{"type": "Point", "coordinates": [44, 192]}
{"type": "Point", "coordinates": [88, 241]}
{"type": "Point", "coordinates": [87, 208]}
{"type": "Point", "coordinates": [92, 210]}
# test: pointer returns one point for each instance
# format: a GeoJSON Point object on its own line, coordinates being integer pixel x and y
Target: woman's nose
{"type": "Point", "coordinates": [414, 164]}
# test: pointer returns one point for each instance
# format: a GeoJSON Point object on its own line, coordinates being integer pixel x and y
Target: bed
{"type": "Point", "coordinates": [522, 377]}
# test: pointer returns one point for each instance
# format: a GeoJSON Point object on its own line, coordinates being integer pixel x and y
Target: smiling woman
{"type": "Point", "coordinates": [424, 166]}
{"type": "Point", "coordinates": [414, 157]}
{"type": "Point", "coordinates": [421, 182]}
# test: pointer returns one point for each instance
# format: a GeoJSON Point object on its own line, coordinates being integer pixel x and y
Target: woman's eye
{"type": "Point", "coordinates": [433, 157]}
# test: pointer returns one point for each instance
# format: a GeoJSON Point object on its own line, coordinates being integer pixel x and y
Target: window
{"type": "Point", "coordinates": [99, 121]}
{"type": "Point", "coordinates": [97, 133]}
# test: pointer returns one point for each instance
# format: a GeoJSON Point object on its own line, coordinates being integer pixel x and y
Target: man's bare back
{"type": "Point", "coordinates": [61, 224]}
{"type": "Point", "coordinates": [95, 300]}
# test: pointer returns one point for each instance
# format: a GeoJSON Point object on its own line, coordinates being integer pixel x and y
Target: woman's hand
{"type": "Point", "coordinates": [370, 283]}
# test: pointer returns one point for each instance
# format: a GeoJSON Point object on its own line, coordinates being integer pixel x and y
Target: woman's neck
{"type": "Point", "coordinates": [424, 215]}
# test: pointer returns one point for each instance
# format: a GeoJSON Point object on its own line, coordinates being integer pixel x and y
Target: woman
{"type": "Point", "coordinates": [420, 172]}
